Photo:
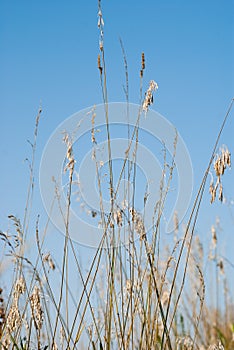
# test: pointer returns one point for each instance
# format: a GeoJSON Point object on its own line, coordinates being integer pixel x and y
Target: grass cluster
{"type": "Point", "coordinates": [137, 295]}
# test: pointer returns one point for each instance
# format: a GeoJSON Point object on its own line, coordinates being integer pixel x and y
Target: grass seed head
{"type": "Point", "coordinates": [153, 86]}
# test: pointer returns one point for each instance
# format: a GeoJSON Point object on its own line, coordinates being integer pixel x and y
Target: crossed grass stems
{"type": "Point", "coordinates": [144, 292]}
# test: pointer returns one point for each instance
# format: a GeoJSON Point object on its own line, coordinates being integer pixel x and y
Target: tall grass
{"type": "Point", "coordinates": [137, 295]}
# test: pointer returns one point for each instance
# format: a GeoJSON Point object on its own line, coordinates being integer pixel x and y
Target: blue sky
{"type": "Point", "coordinates": [49, 56]}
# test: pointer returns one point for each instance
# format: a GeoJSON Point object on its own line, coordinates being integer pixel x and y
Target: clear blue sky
{"type": "Point", "coordinates": [49, 55]}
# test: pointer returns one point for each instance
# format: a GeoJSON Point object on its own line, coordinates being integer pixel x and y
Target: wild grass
{"type": "Point", "coordinates": [139, 294]}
